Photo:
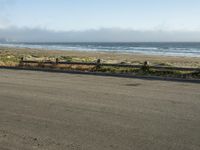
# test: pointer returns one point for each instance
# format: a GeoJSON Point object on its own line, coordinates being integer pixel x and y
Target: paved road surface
{"type": "Point", "coordinates": [50, 111]}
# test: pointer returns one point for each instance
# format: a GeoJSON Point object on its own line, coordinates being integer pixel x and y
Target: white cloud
{"type": "Point", "coordinates": [4, 21]}
{"type": "Point", "coordinates": [100, 35]}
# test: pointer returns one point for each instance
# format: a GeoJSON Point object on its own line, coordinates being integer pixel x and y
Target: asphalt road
{"type": "Point", "coordinates": [55, 111]}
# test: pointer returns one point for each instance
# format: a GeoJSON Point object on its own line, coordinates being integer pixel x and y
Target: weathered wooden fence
{"type": "Point", "coordinates": [99, 64]}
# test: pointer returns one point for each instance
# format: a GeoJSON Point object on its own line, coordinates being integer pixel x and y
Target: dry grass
{"type": "Point", "coordinates": [106, 57]}
{"type": "Point", "coordinates": [12, 56]}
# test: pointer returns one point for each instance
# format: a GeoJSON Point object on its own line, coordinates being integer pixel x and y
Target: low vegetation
{"type": "Point", "coordinates": [10, 59]}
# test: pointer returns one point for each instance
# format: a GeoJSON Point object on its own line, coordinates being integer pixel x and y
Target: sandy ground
{"type": "Point", "coordinates": [108, 57]}
{"type": "Point", "coordinates": [50, 111]}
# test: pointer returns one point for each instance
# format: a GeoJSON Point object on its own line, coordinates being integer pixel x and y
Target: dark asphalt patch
{"type": "Point", "coordinates": [134, 84]}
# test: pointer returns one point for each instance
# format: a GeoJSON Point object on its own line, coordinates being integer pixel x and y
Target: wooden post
{"type": "Point", "coordinates": [146, 63]}
{"type": "Point", "coordinates": [98, 65]}
{"type": "Point", "coordinates": [21, 61]}
{"type": "Point", "coordinates": [145, 67]}
{"type": "Point", "coordinates": [57, 60]}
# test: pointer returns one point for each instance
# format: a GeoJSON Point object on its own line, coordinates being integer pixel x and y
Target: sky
{"type": "Point", "coordinates": [92, 18]}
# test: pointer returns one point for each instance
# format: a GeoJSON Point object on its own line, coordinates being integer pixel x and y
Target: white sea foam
{"type": "Point", "coordinates": [168, 49]}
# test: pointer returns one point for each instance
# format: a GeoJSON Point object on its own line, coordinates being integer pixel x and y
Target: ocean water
{"type": "Point", "coordinates": [157, 48]}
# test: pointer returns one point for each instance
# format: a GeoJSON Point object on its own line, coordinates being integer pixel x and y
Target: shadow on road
{"type": "Point", "coordinates": [197, 81]}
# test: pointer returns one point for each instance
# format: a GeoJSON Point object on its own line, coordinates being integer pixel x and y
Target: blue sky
{"type": "Point", "coordinates": [100, 20]}
{"type": "Point", "coordinates": [94, 14]}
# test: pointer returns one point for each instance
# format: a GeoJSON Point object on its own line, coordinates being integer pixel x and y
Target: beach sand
{"type": "Point", "coordinates": [108, 57]}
